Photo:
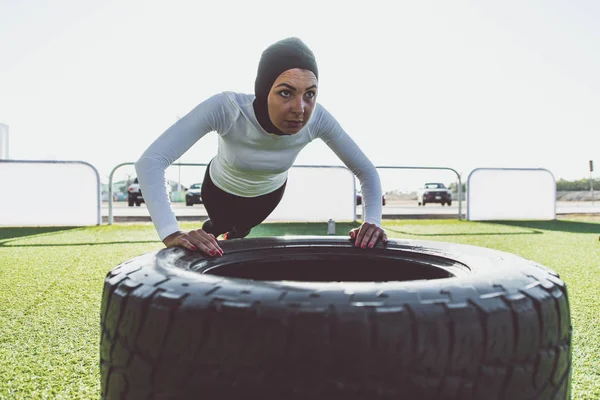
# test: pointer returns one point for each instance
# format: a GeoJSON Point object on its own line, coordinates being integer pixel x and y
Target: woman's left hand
{"type": "Point", "coordinates": [367, 235]}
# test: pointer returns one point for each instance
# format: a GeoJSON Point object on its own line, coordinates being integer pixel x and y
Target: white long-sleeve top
{"type": "Point", "coordinates": [250, 161]}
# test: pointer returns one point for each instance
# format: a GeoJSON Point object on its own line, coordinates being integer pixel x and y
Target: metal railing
{"type": "Point", "coordinates": [110, 181]}
{"type": "Point", "coordinates": [110, 184]}
{"type": "Point", "coordinates": [435, 168]}
{"type": "Point", "coordinates": [97, 175]}
{"type": "Point", "coordinates": [476, 170]}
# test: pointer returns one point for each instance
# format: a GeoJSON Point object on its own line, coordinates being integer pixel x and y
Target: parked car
{"type": "Point", "coordinates": [359, 199]}
{"type": "Point", "coordinates": [193, 195]}
{"type": "Point", "coordinates": [434, 193]}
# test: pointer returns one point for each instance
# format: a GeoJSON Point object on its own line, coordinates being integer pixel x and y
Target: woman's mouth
{"type": "Point", "coordinates": [294, 124]}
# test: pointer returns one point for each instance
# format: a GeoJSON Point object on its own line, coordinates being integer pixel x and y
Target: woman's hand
{"type": "Point", "coordinates": [195, 240]}
{"type": "Point", "coordinates": [367, 235]}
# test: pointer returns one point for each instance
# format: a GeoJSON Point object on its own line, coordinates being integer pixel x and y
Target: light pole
{"type": "Point", "coordinates": [179, 168]}
{"type": "Point", "coordinates": [592, 180]}
{"type": "Point", "coordinates": [3, 141]}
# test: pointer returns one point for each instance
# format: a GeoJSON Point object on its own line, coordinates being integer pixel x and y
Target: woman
{"type": "Point", "coordinates": [260, 136]}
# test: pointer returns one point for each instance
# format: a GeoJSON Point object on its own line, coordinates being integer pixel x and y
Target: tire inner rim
{"type": "Point", "coordinates": [332, 265]}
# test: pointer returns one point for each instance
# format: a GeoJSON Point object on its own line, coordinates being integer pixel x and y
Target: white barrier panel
{"type": "Point", "coordinates": [52, 193]}
{"type": "Point", "coordinates": [317, 194]}
{"type": "Point", "coordinates": [511, 194]}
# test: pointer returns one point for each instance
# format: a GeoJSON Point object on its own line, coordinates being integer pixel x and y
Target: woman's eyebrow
{"type": "Point", "coordinates": [287, 86]}
{"type": "Point", "coordinates": [293, 88]}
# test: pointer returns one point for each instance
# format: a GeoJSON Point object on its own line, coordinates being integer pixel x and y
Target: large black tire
{"type": "Point", "coordinates": [130, 200]}
{"type": "Point", "coordinates": [411, 320]}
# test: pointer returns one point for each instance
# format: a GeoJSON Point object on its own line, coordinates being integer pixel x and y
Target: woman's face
{"type": "Point", "coordinates": [292, 99]}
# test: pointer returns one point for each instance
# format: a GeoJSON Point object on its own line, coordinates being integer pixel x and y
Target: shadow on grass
{"type": "Point", "coordinates": [8, 235]}
{"type": "Point", "coordinates": [282, 229]}
{"type": "Point", "coordinates": [533, 232]}
{"type": "Point", "coordinates": [554, 225]}
{"type": "Point", "coordinates": [5, 245]}
{"type": "Point", "coordinates": [19, 232]}
{"type": "Point", "coordinates": [300, 228]}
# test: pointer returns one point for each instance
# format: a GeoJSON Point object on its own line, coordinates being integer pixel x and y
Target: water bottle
{"type": "Point", "coordinates": [331, 227]}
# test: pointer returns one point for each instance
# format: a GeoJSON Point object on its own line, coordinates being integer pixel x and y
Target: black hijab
{"type": "Point", "coordinates": [279, 57]}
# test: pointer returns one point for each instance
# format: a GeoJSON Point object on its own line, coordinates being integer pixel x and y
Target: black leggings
{"type": "Point", "coordinates": [235, 214]}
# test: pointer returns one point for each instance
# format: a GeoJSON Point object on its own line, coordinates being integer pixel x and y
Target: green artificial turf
{"type": "Point", "coordinates": [51, 282]}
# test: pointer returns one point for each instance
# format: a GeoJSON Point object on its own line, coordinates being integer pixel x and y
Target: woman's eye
{"type": "Point", "coordinates": [310, 95]}
{"type": "Point", "coordinates": [285, 93]}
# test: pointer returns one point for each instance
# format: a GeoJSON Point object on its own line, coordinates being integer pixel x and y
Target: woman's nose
{"type": "Point", "coordinates": [298, 105]}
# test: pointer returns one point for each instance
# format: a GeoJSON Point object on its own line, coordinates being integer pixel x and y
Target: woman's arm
{"type": "Point", "coordinates": [330, 131]}
{"type": "Point", "coordinates": [210, 115]}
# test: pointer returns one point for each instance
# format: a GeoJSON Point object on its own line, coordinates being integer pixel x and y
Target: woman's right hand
{"type": "Point", "coordinates": [206, 243]}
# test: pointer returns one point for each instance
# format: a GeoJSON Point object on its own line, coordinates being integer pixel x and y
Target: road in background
{"type": "Point", "coordinates": [397, 209]}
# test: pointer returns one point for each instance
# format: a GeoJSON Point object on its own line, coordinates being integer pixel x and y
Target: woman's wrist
{"type": "Point", "coordinates": [172, 236]}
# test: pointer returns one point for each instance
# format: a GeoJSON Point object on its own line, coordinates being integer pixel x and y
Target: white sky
{"type": "Point", "coordinates": [461, 84]}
